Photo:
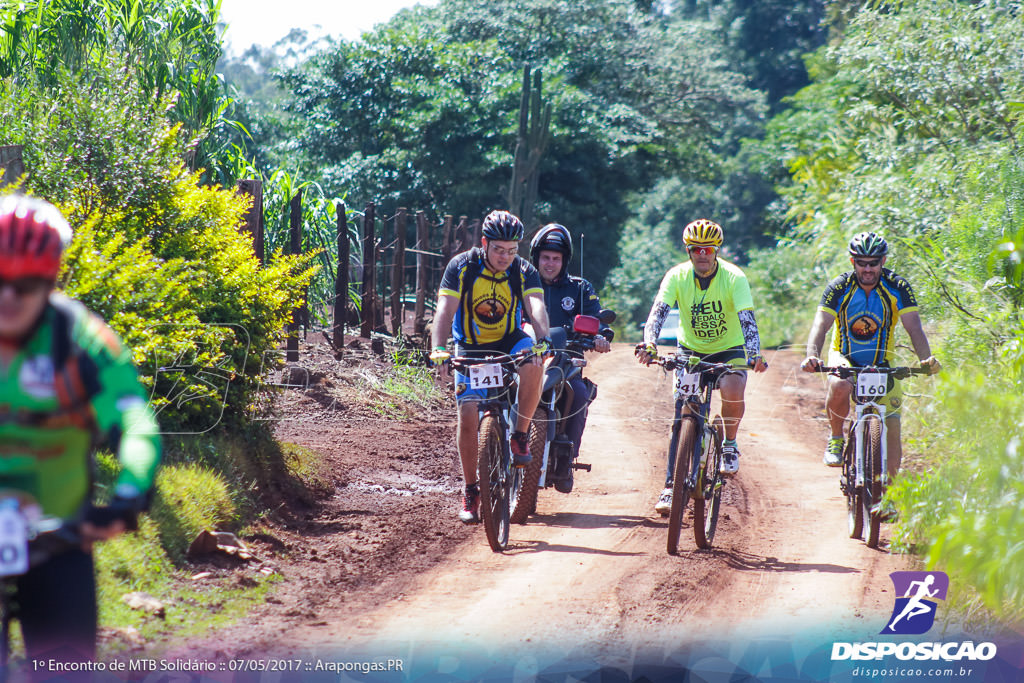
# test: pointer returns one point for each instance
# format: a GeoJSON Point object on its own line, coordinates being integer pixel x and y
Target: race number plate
{"type": "Point", "coordinates": [13, 543]}
{"type": "Point", "coordinates": [871, 385]}
{"type": "Point", "coordinates": [687, 384]}
{"type": "Point", "coordinates": [486, 376]}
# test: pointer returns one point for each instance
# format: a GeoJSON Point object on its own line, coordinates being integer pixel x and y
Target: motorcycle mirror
{"type": "Point", "coordinates": [586, 324]}
{"type": "Point", "coordinates": [606, 316]}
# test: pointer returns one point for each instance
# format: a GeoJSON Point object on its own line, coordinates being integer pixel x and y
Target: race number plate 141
{"type": "Point", "coordinates": [486, 376]}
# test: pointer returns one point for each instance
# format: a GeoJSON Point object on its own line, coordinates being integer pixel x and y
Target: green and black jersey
{"type": "Point", "coordinates": [70, 386]}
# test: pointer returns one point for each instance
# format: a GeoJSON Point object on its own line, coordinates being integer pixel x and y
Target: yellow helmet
{"type": "Point", "coordinates": [703, 233]}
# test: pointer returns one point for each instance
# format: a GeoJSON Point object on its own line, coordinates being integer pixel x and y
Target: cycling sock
{"type": "Point", "coordinates": [473, 488]}
{"type": "Point", "coordinates": [729, 442]}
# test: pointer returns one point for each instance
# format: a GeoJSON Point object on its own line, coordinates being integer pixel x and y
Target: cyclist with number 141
{"type": "Point", "coordinates": [716, 324]}
{"type": "Point", "coordinates": [484, 293]}
{"type": "Point", "coordinates": [862, 306]}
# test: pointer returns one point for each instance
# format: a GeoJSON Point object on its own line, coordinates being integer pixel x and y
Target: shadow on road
{"type": "Point", "coordinates": [589, 520]}
{"type": "Point", "coordinates": [737, 559]}
{"type": "Point", "coordinates": [518, 547]}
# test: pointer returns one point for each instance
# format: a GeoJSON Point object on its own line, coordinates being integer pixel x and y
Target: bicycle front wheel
{"type": "Point", "coordinates": [872, 478]}
{"type": "Point", "coordinates": [681, 480]}
{"type": "Point", "coordinates": [854, 499]}
{"type": "Point", "coordinates": [524, 496]}
{"type": "Point", "coordinates": [494, 482]}
{"type": "Point", "coordinates": [706, 505]}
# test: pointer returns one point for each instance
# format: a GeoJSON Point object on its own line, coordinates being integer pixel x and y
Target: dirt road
{"type": "Point", "coordinates": [589, 574]}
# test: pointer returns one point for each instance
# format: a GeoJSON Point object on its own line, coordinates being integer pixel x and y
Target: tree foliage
{"type": "Point", "coordinates": [911, 128]}
{"type": "Point", "coordinates": [156, 254]}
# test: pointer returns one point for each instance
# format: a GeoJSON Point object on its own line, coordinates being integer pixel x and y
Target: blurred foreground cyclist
{"type": "Point", "coordinates": [66, 385]}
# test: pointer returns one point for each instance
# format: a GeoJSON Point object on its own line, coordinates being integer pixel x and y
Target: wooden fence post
{"type": "Point", "coordinates": [295, 231]}
{"type": "Point", "coordinates": [341, 281]}
{"type": "Point", "coordinates": [369, 266]}
{"type": "Point", "coordinates": [11, 164]}
{"type": "Point", "coordinates": [422, 245]}
{"type": "Point", "coordinates": [398, 273]}
{"type": "Point", "coordinates": [254, 216]}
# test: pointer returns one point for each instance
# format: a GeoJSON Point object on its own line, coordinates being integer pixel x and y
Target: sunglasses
{"type": "Point", "coordinates": [24, 286]}
{"type": "Point", "coordinates": [702, 251]}
{"type": "Point", "coordinates": [511, 251]}
{"type": "Point", "coordinates": [873, 263]}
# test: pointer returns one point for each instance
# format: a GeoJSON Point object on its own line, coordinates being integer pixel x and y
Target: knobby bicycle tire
{"type": "Point", "coordinates": [706, 505]}
{"type": "Point", "coordinates": [493, 483]}
{"type": "Point", "coordinates": [524, 502]}
{"type": "Point", "coordinates": [680, 480]}
{"type": "Point", "coordinates": [854, 499]}
{"type": "Point", "coordinates": [872, 478]}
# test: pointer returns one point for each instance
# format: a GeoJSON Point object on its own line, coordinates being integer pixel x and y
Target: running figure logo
{"type": "Point", "coordinates": [914, 612]}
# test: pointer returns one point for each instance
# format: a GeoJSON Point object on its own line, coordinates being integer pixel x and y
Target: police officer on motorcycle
{"type": "Point", "coordinates": [565, 297]}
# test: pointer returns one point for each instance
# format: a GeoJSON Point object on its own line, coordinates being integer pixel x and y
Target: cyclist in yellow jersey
{"type": "Point", "coordinates": [864, 305]}
{"type": "Point", "coordinates": [716, 324]}
{"type": "Point", "coordinates": [483, 296]}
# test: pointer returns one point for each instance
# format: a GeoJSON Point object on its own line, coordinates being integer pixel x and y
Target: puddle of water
{"type": "Point", "coordinates": [406, 485]}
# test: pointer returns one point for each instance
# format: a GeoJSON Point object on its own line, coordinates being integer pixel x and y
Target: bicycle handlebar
{"type": "Point", "coordinates": [515, 360]}
{"type": "Point", "coordinates": [677, 360]}
{"type": "Point", "coordinates": [846, 371]}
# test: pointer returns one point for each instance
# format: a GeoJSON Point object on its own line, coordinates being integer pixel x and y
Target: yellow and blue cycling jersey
{"type": "Point", "coordinates": [492, 308]}
{"type": "Point", "coordinates": [866, 321]}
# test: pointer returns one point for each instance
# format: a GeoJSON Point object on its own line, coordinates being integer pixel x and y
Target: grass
{"type": "Point", "coordinates": [207, 482]}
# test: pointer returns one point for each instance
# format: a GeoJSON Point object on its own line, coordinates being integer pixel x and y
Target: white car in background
{"type": "Point", "coordinates": [669, 330]}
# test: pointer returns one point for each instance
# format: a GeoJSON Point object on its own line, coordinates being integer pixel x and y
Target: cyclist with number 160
{"type": "Point", "coordinates": [862, 306]}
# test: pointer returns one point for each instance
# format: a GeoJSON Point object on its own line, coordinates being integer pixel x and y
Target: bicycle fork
{"type": "Point", "coordinates": [860, 440]}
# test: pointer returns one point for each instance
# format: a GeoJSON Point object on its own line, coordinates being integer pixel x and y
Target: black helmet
{"type": "Point", "coordinates": [552, 237]}
{"type": "Point", "coordinates": [868, 244]}
{"type": "Point", "coordinates": [502, 226]}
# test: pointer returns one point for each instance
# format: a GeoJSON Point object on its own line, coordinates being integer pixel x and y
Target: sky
{"type": "Point", "coordinates": [267, 21]}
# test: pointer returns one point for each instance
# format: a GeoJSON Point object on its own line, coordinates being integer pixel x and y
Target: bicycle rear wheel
{"type": "Point", "coordinates": [524, 498]}
{"type": "Point", "coordinates": [706, 505]}
{"type": "Point", "coordinates": [854, 499]}
{"type": "Point", "coordinates": [494, 483]}
{"type": "Point", "coordinates": [872, 478]}
{"type": "Point", "coordinates": [680, 480]}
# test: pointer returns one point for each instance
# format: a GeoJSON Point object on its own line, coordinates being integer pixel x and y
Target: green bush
{"type": "Point", "coordinates": [160, 257]}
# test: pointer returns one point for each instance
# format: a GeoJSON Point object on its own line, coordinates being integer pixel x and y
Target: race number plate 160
{"type": "Point", "coordinates": [13, 543]}
{"type": "Point", "coordinates": [871, 385]}
{"type": "Point", "coordinates": [485, 376]}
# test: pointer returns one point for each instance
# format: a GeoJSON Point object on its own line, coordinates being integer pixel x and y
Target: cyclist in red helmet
{"type": "Point", "coordinates": [67, 384]}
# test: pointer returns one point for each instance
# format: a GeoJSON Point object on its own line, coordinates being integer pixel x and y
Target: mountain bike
{"type": "Point", "coordinates": [500, 482]}
{"type": "Point", "coordinates": [695, 449]}
{"type": "Point", "coordinates": [865, 474]}
{"type": "Point", "coordinates": [28, 539]}
{"type": "Point", "coordinates": [548, 439]}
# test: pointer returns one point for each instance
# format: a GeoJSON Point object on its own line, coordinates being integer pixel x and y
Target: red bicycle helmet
{"type": "Point", "coordinates": [33, 234]}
